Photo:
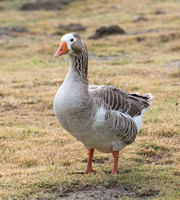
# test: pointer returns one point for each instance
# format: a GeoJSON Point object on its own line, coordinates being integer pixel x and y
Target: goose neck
{"type": "Point", "coordinates": [79, 63]}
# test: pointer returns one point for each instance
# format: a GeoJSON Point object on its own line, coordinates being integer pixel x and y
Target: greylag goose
{"type": "Point", "coordinates": [103, 117]}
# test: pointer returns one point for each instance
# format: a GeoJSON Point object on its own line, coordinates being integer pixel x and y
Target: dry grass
{"type": "Point", "coordinates": [36, 154]}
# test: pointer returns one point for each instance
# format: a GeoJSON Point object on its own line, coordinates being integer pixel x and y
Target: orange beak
{"type": "Point", "coordinates": [61, 50]}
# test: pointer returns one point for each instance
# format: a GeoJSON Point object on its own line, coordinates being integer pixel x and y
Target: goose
{"type": "Point", "coordinates": [105, 118]}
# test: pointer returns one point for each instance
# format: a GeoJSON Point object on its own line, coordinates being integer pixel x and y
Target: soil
{"type": "Point", "coordinates": [140, 19]}
{"type": "Point", "coordinates": [46, 4]}
{"type": "Point", "coordinates": [73, 27]}
{"type": "Point", "coordinates": [97, 193]}
{"type": "Point", "coordinates": [90, 192]}
{"type": "Point", "coordinates": [160, 12]}
{"type": "Point", "coordinates": [105, 31]}
{"type": "Point", "coordinates": [9, 30]}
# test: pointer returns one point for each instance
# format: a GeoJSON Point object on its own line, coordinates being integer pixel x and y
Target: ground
{"type": "Point", "coordinates": [37, 155]}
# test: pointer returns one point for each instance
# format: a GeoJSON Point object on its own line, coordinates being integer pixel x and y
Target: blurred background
{"type": "Point", "coordinates": [134, 45]}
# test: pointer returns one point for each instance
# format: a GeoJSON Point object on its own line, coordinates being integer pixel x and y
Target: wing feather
{"type": "Point", "coordinates": [118, 99]}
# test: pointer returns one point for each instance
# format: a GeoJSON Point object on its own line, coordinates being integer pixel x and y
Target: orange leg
{"type": "Point", "coordinates": [116, 157]}
{"type": "Point", "coordinates": [89, 163]}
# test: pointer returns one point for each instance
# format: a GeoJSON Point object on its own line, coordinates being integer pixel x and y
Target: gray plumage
{"type": "Point", "coordinates": [105, 118]}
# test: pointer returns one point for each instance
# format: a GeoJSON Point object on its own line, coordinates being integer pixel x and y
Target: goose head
{"type": "Point", "coordinates": [70, 43]}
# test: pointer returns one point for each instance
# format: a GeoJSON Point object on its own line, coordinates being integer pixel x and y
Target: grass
{"type": "Point", "coordinates": [36, 154]}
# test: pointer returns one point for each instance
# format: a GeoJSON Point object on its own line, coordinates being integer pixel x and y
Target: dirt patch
{"type": "Point", "coordinates": [147, 193]}
{"type": "Point", "coordinates": [19, 29]}
{"type": "Point", "coordinates": [73, 27]}
{"type": "Point", "coordinates": [106, 31]}
{"type": "Point", "coordinates": [140, 19]}
{"type": "Point", "coordinates": [114, 30]}
{"type": "Point", "coordinates": [112, 192]}
{"type": "Point", "coordinates": [46, 4]}
{"type": "Point", "coordinates": [140, 38]}
{"type": "Point", "coordinates": [97, 193]}
{"type": "Point", "coordinates": [9, 30]}
{"type": "Point", "coordinates": [159, 12]}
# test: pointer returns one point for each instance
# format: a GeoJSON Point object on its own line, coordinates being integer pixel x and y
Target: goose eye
{"type": "Point", "coordinates": [71, 40]}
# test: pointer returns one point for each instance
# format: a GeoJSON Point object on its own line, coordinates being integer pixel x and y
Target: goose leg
{"type": "Point", "coordinates": [89, 163]}
{"type": "Point", "coordinates": [116, 157]}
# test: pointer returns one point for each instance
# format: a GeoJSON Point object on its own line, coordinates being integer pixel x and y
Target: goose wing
{"type": "Point", "coordinates": [120, 100]}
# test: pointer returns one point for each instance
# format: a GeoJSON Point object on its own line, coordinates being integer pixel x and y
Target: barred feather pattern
{"type": "Point", "coordinates": [120, 100]}
{"type": "Point", "coordinates": [118, 125]}
{"type": "Point", "coordinates": [125, 128]}
{"type": "Point", "coordinates": [80, 63]}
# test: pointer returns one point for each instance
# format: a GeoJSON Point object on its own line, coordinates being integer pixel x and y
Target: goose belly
{"type": "Point", "coordinates": [110, 131]}
{"type": "Point", "coordinates": [92, 136]}
{"type": "Point", "coordinates": [102, 143]}
{"type": "Point", "coordinates": [99, 134]}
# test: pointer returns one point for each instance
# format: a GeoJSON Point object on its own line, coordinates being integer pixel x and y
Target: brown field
{"type": "Point", "coordinates": [36, 154]}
